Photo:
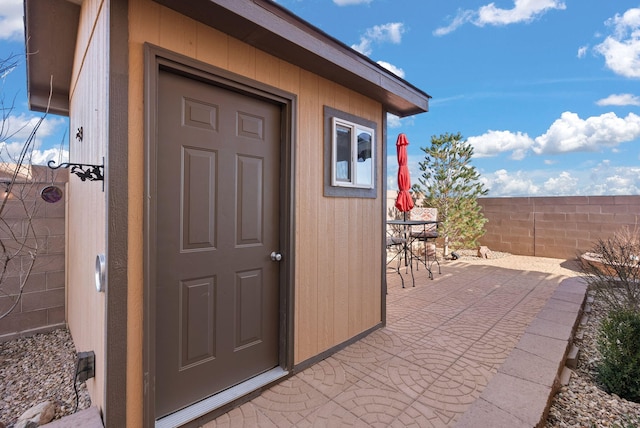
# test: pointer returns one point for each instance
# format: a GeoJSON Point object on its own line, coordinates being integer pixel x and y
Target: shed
{"type": "Point", "coordinates": [241, 217]}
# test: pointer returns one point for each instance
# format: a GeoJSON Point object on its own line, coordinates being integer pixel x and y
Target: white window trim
{"type": "Point", "coordinates": [355, 181]}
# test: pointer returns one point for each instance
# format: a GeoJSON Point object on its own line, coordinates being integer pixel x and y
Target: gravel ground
{"type": "Point", "coordinates": [583, 403]}
{"type": "Point", "coordinates": [37, 369]}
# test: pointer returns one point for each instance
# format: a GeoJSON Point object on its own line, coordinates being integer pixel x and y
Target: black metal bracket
{"type": "Point", "coordinates": [83, 170]}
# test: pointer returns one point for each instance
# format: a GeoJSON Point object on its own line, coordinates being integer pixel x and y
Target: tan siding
{"type": "Point", "coordinates": [86, 199]}
{"type": "Point", "coordinates": [307, 258]}
{"type": "Point", "coordinates": [338, 242]}
{"type": "Point", "coordinates": [212, 46]}
{"type": "Point", "coordinates": [242, 58]}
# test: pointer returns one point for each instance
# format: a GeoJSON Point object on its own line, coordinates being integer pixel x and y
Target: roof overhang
{"type": "Point", "coordinates": [51, 28]}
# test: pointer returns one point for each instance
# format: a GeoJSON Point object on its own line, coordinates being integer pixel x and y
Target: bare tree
{"type": "Point", "coordinates": [19, 203]}
{"type": "Point", "coordinates": [612, 270]}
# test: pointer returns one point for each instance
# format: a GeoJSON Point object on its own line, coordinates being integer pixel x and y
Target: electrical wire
{"type": "Point", "coordinates": [75, 386]}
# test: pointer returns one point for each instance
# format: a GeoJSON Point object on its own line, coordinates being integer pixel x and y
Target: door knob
{"type": "Point", "coordinates": [276, 256]}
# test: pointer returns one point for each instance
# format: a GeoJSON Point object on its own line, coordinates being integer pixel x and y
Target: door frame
{"type": "Point", "coordinates": [156, 59]}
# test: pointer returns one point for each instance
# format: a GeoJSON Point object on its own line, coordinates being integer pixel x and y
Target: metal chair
{"type": "Point", "coordinates": [396, 243]}
{"type": "Point", "coordinates": [426, 233]}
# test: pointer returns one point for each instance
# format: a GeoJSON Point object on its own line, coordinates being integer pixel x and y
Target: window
{"type": "Point", "coordinates": [350, 161]}
{"type": "Point", "coordinates": [352, 157]}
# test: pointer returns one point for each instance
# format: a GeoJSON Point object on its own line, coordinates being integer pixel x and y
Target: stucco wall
{"type": "Point", "coordinates": [42, 304]}
{"type": "Point", "coordinates": [559, 227]}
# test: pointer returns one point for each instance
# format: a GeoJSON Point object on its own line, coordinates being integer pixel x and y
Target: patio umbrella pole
{"type": "Point", "coordinates": [404, 202]}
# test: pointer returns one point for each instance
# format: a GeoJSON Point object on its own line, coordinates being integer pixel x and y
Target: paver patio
{"type": "Point", "coordinates": [444, 341]}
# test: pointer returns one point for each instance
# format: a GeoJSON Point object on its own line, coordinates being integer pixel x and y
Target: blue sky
{"type": "Point", "coordinates": [18, 121]}
{"type": "Point", "coordinates": [546, 91]}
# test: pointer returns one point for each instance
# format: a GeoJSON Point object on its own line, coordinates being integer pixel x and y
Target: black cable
{"type": "Point", "coordinates": [75, 386]}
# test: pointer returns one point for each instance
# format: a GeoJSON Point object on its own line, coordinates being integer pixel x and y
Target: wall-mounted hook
{"type": "Point", "coordinates": [86, 171]}
{"type": "Point", "coordinates": [80, 134]}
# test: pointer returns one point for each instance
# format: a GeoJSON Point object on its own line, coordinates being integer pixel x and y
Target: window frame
{"type": "Point", "coordinates": [357, 177]}
{"type": "Point", "coordinates": [337, 188]}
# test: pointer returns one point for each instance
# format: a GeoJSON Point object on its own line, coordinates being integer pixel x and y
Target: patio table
{"type": "Point", "coordinates": [405, 239]}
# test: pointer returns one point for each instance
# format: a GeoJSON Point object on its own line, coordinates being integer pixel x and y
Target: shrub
{"type": "Point", "coordinates": [619, 345]}
{"type": "Point", "coordinates": [615, 273]}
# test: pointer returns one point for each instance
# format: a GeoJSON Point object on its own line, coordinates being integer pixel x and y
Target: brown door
{"type": "Point", "coordinates": [217, 220]}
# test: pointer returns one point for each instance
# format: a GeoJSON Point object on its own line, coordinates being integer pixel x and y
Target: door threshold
{"type": "Point", "coordinates": [207, 405]}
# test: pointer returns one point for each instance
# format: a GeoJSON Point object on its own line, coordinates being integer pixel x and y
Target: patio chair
{"type": "Point", "coordinates": [426, 233]}
{"type": "Point", "coordinates": [395, 246]}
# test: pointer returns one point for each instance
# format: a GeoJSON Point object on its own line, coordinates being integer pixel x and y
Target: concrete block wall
{"type": "Point", "coordinates": [559, 227]}
{"type": "Point", "coordinates": [42, 305]}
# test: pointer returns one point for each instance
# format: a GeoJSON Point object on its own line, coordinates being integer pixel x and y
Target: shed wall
{"type": "Point", "coordinates": [338, 242]}
{"type": "Point", "coordinates": [86, 199]}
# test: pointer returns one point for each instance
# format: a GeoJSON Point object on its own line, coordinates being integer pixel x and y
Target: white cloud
{"type": "Point", "coordinates": [620, 100]}
{"type": "Point", "coordinates": [9, 152]}
{"type": "Point", "coordinates": [503, 183]}
{"type": "Point", "coordinates": [392, 68]}
{"type": "Point", "coordinates": [602, 179]}
{"type": "Point", "coordinates": [16, 131]}
{"type": "Point", "coordinates": [492, 143]}
{"type": "Point", "coordinates": [391, 32]}
{"type": "Point", "coordinates": [605, 179]}
{"type": "Point", "coordinates": [522, 11]}
{"type": "Point", "coordinates": [564, 184]}
{"type": "Point", "coordinates": [11, 22]}
{"type": "Point", "coordinates": [582, 51]}
{"type": "Point", "coordinates": [461, 18]}
{"type": "Point", "coordinates": [621, 50]}
{"type": "Point", "coordinates": [393, 121]}
{"type": "Point", "coordinates": [350, 2]}
{"type": "Point", "coordinates": [18, 128]}
{"type": "Point", "coordinates": [570, 133]}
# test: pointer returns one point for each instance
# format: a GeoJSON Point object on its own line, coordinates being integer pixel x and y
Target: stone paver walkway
{"type": "Point", "coordinates": [444, 341]}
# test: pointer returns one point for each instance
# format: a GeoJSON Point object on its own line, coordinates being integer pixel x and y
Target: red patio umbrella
{"type": "Point", "coordinates": [404, 202]}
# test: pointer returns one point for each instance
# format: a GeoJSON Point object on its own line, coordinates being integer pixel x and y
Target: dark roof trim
{"type": "Point", "coordinates": [51, 27]}
{"type": "Point", "coordinates": [273, 29]}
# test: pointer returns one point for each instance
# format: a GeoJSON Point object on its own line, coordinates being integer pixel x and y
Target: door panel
{"type": "Point", "coordinates": [250, 201]}
{"type": "Point", "coordinates": [199, 207]}
{"type": "Point", "coordinates": [217, 201]}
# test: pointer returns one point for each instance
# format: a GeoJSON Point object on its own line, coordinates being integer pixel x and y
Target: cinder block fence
{"type": "Point", "coordinates": [42, 305]}
{"type": "Point", "coordinates": [559, 227]}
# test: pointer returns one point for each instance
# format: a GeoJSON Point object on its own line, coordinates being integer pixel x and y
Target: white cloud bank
{"type": "Point", "coordinates": [569, 133]}
{"type": "Point", "coordinates": [600, 180]}
{"type": "Point", "coordinates": [522, 11]}
{"type": "Point", "coordinates": [621, 49]}
{"type": "Point", "coordinates": [11, 23]}
{"type": "Point", "coordinates": [620, 100]}
{"type": "Point", "coordinates": [16, 131]}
